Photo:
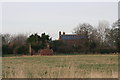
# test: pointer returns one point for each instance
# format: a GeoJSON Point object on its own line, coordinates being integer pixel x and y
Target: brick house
{"type": "Point", "coordinates": [72, 40]}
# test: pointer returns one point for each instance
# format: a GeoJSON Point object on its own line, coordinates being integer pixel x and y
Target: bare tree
{"type": "Point", "coordinates": [6, 38]}
{"type": "Point", "coordinates": [20, 39]}
{"type": "Point", "coordinates": [83, 29]}
{"type": "Point", "coordinates": [103, 26]}
{"type": "Point", "coordinates": [88, 32]}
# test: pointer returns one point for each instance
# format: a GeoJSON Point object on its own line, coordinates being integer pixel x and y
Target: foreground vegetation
{"type": "Point", "coordinates": [61, 66]}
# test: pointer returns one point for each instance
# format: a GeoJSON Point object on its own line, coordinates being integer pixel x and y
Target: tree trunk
{"type": "Point", "coordinates": [30, 50]}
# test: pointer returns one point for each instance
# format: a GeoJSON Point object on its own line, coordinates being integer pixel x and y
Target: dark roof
{"type": "Point", "coordinates": [71, 37]}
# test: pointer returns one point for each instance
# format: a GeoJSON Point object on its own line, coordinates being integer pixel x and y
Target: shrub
{"type": "Point", "coordinates": [6, 49]}
{"type": "Point", "coordinates": [22, 50]}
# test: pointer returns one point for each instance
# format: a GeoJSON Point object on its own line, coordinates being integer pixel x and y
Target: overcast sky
{"type": "Point", "coordinates": [51, 17]}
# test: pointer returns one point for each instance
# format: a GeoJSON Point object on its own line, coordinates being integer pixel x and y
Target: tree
{"type": "Point", "coordinates": [87, 31]}
{"type": "Point", "coordinates": [116, 34]}
{"type": "Point", "coordinates": [6, 38]}
{"type": "Point", "coordinates": [102, 30]}
{"type": "Point", "coordinates": [33, 40]}
{"type": "Point", "coordinates": [10, 43]}
{"type": "Point", "coordinates": [56, 45]}
{"type": "Point", "coordinates": [45, 40]}
{"type": "Point", "coordinates": [23, 49]}
{"type": "Point", "coordinates": [18, 41]}
{"type": "Point", "coordinates": [83, 29]}
{"type": "Point", "coordinates": [92, 47]}
{"type": "Point", "coordinates": [37, 42]}
{"type": "Point", "coordinates": [113, 36]}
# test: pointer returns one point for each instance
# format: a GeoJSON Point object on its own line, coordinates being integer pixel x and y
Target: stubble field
{"type": "Point", "coordinates": [60, 66]}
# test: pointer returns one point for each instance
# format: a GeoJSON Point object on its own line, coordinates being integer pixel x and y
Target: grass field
{"type": "Point", "coordinates": [61, 66]}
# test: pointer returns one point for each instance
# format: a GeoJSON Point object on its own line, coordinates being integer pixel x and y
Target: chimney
{"type": "Point", "coordinates": [63, 33]}
{"type": "Point", "coordinates": [59, 35]}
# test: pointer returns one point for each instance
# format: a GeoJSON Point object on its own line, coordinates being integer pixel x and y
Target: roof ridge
{"type": "Point", "coordinates": [72, 34]}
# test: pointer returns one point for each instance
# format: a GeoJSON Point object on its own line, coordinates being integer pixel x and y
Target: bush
{"type": "Point", "coordinates": [6, 49]}
{"type": "Point", "coordinates": [55, 45]}
{"type": "Point", "coordinates": [36, 47]}
{"type": "Point", "coordinates": [22, 50]}
{"type": "Point", "coordinates": [103, 51]}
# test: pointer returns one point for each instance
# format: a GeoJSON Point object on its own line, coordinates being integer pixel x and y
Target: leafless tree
{"type": "Point", "coordinates": [20, 39]}
{"type": "Point", "coordinates": [103, 28]}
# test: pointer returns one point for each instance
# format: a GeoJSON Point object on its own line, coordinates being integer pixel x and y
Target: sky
{"type": "Point", "coordinates": [52, 17]}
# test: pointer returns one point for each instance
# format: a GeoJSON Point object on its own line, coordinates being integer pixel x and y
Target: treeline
{"type": "Point", "coordinates": [100, 39]}
{"type": "Point", "coordinates": [21, 44]}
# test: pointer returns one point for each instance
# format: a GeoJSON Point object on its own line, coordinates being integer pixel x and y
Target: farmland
{"type": "Point", "coordinates": [60, 66]}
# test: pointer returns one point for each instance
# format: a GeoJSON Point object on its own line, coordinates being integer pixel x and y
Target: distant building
{"type": "Point", "coordinates": [71, 39]}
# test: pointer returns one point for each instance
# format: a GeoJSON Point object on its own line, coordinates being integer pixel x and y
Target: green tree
{"type": "Point", "coordinates": [37, 42]}
{"type": "Point", "coordinates": [33, 41]}
{"type": "Point", "coordinates": [45, 40]}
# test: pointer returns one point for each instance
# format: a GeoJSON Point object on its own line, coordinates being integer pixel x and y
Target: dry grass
{"type": "Point", "coordinates": [71, 66]}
